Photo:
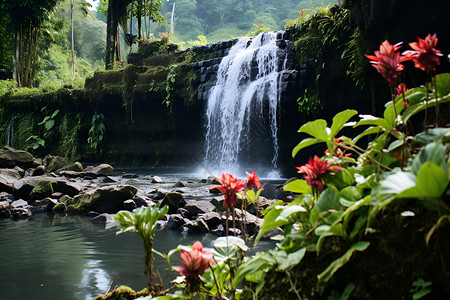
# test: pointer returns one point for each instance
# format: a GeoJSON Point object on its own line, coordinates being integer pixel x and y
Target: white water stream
{"type": "Point", "coordinates": [242, 110]}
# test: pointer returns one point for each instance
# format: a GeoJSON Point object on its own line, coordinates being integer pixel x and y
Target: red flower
{"type": "Point", "coordinates": [425, 56]}
{"type": "Point", "coordinates": [252, 180]}
{"type": "Point", "coordinates": [401, 90]}
{"type": "Point", "coordinates": [195, 262]}
{"type": "Point", "coordinates": [388, 62]}
{"type": "Point", "coordinates": [337, 151]}
{"type": "Point", "coordinates": [230, 186]}
{"type": "Point", "coordinates": [315, 170]}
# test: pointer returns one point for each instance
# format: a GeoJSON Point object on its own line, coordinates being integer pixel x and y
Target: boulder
{"type": "Point", "coordinates": [20, 209]}
{"type": "Point", "coordinates": [43, 189]}
{"type": "Point", "coordinates": [10, 157]}
{"type": "Point", "coordinates": [53, 163]}
{"type": "Point", "coordinates": [103, 200]}
{"type": "Point", "coordinates": [107, 220]}
{"type": "Point", "coordinates": [45, 205]}
{"type": "Point", "coordinates": [159, 195]}
{"type": "Point", "coordinates": [174, 201]}
{"type": "Point", "coordinates": [157, 179]}
{"type": "Point", "coordinates": [66, 188]}
{"type": "Point", "coordinates": [212, 219]}
{"type": "Point", "coordinates": [198, 226]}
{"type": "Point", "coordinates": [70, 174]}
{"type": "Point", "coordinates": [179, 184]}
{"type": "Point", "coordinates": [129, 205]}
{"type": "Point", "coordinates": [7, 179]}
{"type": "Point", "coordinates": [5, 209]}
{"type": "Point", "coordinates": [143, 201]}
{"type": "Point", "coordinates": [100, 170]}
{"type": "Point", "coordinates": [252, 223]}
{"type": "Point", "coordinates": [107, 179]}
{"type": "Point", "coordinates": [175, 221]}
{"type": "Point", "coordinates": [184, 212]}
{"type": "Point", "coordinates": [75, 167]}
{"type": "Point", "coordinates": [60, 207]}
{"type": "Point", "coordinates": [213, 180]}
{"type": "Point", "coordinates": [38, 171]}
{"type": "Point", "coordinates": [195, 207]}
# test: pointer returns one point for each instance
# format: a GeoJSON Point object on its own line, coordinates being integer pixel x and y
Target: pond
{"type": "Point", "coordinates": [68, 257]}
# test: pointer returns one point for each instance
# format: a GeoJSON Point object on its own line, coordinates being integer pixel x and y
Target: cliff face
{"type": "Point", "coordinates": [152, 109]}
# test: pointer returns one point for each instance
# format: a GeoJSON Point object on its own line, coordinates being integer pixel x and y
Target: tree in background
{"type": "Point", "coordinates": [83, 5]}
{"type": "Point", "coordinates": [26, 17]}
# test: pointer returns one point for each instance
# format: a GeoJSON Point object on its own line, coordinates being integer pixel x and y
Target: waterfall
{"type": "Point", "coordinates": [10, 132]}
{"type": "Point", "coordinates": [242, 110]}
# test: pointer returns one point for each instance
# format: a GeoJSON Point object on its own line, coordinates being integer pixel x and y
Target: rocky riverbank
{"type": "Point", "coordinates": [29, 185]}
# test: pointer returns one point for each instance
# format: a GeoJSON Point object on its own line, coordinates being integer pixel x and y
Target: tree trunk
{"type": "Point", "coordinates": [110, 37]}
{"type": "Point", "coordinates": [139, 19]}
{"type": "Point", "coordinates": [172, 25]}
{"type": "Point", "coordinates": [71, 33]}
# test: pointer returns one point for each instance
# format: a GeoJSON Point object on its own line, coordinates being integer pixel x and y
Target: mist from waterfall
{"type": "Point", "coordinates": [242, 110]}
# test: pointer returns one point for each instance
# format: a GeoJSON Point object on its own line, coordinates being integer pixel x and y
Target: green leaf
{"type": "Point", "coordinates": [291, 260]}
{"type": "Point", "coordinates": [298, 186]}
{"type": "Point", "coordinates": [340, 119]}
{"type": "Point", "coordinates": [328, 200]}
{"type": "Point", "coordinates": [253, 265]}
{"type": "Point", "coordinates": [368, 131]}
{"type": "Point", "coordinates": [305, 143]}
{"type": "Point", "coordinates": [416, 108]}
{"type": "Point", "coordinates": [338, 263]}
{"type": "Point", "coordinates": [316, 129]}
{"type": "Point", "coordinates": [371, 120]}
{"type": "Point", "coordinates": [49, 124]}
{"type": "Point", "coordinates": [55, 113]}
{"type": "Point", "coordinates": [434, 153]}
{"type": "Point", "coordinates": [443, 84]}
{"type": "Point", "coordinates": [434, 134]}
{"type": "Point", "coordinates": [431, 183]}
{"type": "Point", "coordinates": [288, 211]}
{"type": "Point", "coordinates": [414, 95]}
{"type": "Point", "coordinates": [351, 193]}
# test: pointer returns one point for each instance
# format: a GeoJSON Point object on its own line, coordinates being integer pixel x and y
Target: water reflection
{"type": "Point", "coordinates": [48, 257]}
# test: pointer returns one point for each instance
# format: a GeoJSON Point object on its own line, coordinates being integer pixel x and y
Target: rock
{"type": "Point", "coordinates": [45, 205]}
{"type": "Point", "coordinates": [175, 221]}
{"type": "Point", "coordinates": [218, 203]}
{"type": "Point", "coordinates": [143, 201]}
{"type": "Point", "coordinates": [198, 226]}
{"type": "Point", "coordinates": [159, 195]}
{"type": "Point", "coordinates": [157, 179]}
{"type": "Point", "coordinates": [60, 207]}
{"type": "Point", "coordinates": [20, 209]}
{"type": "Point", "coordinates": [107, 220]}
{"type": "Point", "coordinates": [102, 200]}
{"type": "Point", "coordinates": [129, 205]}
{"type": "Point", "coordinates": [75, 167]}
{"type": "Point", "coordinates": [199, 207]}
{"type": "Point", "coordinates": [129, 175]}
{"type": "Point", "coordinates": [203, 180]}
{"type": "Point", "coordinates": [38, 171]}
{"type": "Point", "coordinates": [53, 163]}
{"type": "Point", "coordinates": [219, 230]}
{"type": "Point", "coordinates": [213, 180]}
{"type": "Point", "coordinates": [251, 222]}
{"type": "Point", "coordinates": [180, 184]}
{"type": "Point", "coordinates": [184, 212]}
{"type": "Point", "coordinates": [100, 170]}
{"type": "Point", "coordinates": [66, 188]}
{"type": "Point", "coordinates": [70, 174]}
{"type": "Point", "coordinates": [43, 189]}
{"type": "Point", "coordinates": [107, 179]}
{"type": "Point", "coordinates": [56, 195]}
{"type": "Point", "coordinates": [10, 157]}
{"type": "Point", "coordinates": [5, 209]}
{"type": "Point", "coordinates": [20, 170]}
{"type": "Point", "coordinates": [211, 218]}
{"type": "Point", "coordinates": [174, 201]}
{"type": "Point", "coordinates": [7, 179]}
{"type": "Point", "coordinates": [214, 191]}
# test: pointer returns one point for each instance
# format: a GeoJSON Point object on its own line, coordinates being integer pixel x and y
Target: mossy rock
{"type": "Point", "coordinates": [10, 157]}
{"type": "Point", "coordinates": [59, 208]}
{"type": "Point", "coordinates": [42, 190]}
{"type": "Point", "coordinates": [53, 163]}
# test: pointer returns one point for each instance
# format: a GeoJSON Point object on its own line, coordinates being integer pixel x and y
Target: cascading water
{"type": "Point", "coordinates": [242, 109]}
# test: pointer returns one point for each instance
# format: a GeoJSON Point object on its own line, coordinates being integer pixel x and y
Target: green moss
{"type": "Point", "coordinates": [60, 208]}
{"type": "Point", "coordinates": [119, 293]}
{"type": "Point", "coordinates": [42, 190]}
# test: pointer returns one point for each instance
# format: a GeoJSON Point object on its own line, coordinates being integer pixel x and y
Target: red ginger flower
{"type": "Point", "coordinates": [425, 56]}
{"type": "Point", "coordinates": [315, 170]}
{"type": "Point", "coordinates": [230, 186]}
{"type": "Point", "coordinates": [388, 62]}
{"type": "Point", "coordinates": [195, 262]}
{"type": "Point", "coordinates": [252, 180]}
{"type": "Point", "coordinates": [337, 151]}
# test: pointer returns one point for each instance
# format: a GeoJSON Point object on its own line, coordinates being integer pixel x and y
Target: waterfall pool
{"type": "Point", "coordinates": [68, 257]}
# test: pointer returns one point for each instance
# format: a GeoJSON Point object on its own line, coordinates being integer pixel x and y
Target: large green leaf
{"type": "Point", "coordinates": [305, 143]}
{"type": "Point", "coordinates": [338, 263]}
{"type": "Point", "coordinates": [434, 134]}
{"type": "Point", "coordinates": [431, 183]}
{"type": "Point", "coordinates": [290, 260]}
{"type": "Point", "coordinates": [328, 200]}
{"type": "Point", "coordinates": [443, 84]}
{"type": "Point", "coordinates": [434, 153]}
{"type": "Point", "coordinates": [260, 262]}
{"type": "Point", "coordinates": [371, 120]}
{"type": "Point", "coordinates": [368, 131]}
{"type": "Point", "coordinates": [340, 119]}
{"type": "Point", "coordinates": [414, 95]}
{"type": "Point", "coordinates": [316, 128]}
{"type": "Point", "coordinates": [416, 108]}
{"type": "Point", "coordinates": [298, 186]}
